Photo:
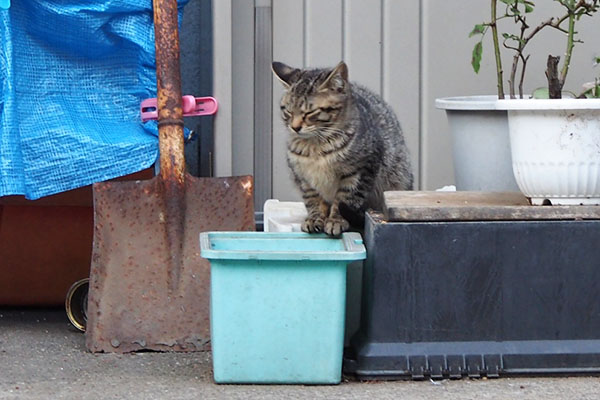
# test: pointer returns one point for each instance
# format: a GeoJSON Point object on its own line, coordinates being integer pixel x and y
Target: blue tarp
{"type": "Point", "coordinates": [72, 76]}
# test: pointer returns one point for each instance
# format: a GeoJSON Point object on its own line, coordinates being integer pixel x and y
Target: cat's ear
{"type": "Point", "coordinates": [337, 78]}
{"type": "Point", "coordinates": [284, 73]}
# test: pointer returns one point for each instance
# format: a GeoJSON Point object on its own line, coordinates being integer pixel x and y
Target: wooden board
{"type": "Point", "coordinates": [475, 206]}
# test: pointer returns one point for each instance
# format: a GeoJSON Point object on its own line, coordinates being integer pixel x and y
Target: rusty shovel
{"type": "Point", "coordinates": [149, 287]}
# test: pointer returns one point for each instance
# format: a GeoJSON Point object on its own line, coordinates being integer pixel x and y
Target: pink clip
{"type": "Point", "coordinates": [192, 106]}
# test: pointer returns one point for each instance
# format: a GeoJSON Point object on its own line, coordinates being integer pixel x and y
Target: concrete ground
{"type": "Point", "coordinates": [43, 357]}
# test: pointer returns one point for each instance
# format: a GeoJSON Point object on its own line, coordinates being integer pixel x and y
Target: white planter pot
{"type": "Point", "coordinates": [480, 143]}
{"type": "Point", "coordinates": [555, 146]}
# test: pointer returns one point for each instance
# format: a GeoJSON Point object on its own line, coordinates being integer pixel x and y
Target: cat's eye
{"type": "Point", "coordinates": [318, 115]}
{"type": "Point", "coordinates": [329, 110]}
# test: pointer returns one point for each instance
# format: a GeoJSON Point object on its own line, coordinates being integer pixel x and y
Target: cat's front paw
{"type": "Point", "coordinates": [313, 225]}
{"type": "Point", "coordinates": [335, 226]}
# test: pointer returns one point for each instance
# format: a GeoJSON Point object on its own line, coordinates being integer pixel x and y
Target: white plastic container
{"type": "Point", "coordinates": [480, 143]}
{"type": "Point", "coordinates": [555, 147]}
{"type": "Point", "coordinates": [283, 216]}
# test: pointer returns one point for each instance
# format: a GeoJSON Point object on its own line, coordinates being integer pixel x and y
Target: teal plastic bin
{"type": "Point", "coordinates": [278, 305]}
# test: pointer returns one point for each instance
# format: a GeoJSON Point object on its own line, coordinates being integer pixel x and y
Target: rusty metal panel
{"type": "Point", "coordinates": [139, 297]}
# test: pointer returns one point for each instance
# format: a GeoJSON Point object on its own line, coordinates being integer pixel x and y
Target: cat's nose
{"type": "Point", "coordinates": [296, 123]}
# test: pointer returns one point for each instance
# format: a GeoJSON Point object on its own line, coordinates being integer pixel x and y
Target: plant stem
{"type": "Point", "coordinates": [570, 45]}
{"type": "Point", "coordinates": [524, 59]}
{"type": "Point", "coordinates": [517, 56]}
{"type": "Point", "coordinates": [551, 23]}
{"type": "Point", "coordinates": [554, 87]}
{"type": "Point", "coordinates": [513, 73]}
{"type": "Point", "coordinates": [497, 51]}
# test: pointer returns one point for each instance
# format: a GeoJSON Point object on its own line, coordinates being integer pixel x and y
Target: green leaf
{"type": "Point", "coordinates": [596, 61]}
{"type": "Point", "coordinates": [512, 37]}
{"type": "Point", "coordinates": [528, 5]}
{"type": "Point", "coordinates": [591, 90]}
{"type": "Point", "coordinates": [479, 29]}
{"type": "Point", "coordinates": [476, 60]}
{"type": "Point", "coordinates": [541, 93]}
{"type": "Point", "coordinates": [514, 5]}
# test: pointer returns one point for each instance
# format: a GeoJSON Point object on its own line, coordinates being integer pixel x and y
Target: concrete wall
{"type": "Point", "coordinates": [411, 52]}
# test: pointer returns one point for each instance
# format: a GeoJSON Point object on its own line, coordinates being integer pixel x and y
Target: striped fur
{"type": "Point", "coordinates": [345, 146]}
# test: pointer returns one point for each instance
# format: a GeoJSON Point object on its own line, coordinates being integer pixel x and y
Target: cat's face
{"type": "Point", "coordinates": [314, 100]}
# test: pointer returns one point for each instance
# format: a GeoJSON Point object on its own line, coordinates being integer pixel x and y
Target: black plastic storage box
{"type": "Point", "coordinates": [476, 298]}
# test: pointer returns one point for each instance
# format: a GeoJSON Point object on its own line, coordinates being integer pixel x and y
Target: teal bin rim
{"type": "Point", "coordinates": [354, 248]}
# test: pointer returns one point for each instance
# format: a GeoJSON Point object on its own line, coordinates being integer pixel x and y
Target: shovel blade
{"type": "Point", "coordinates": [132, 302]}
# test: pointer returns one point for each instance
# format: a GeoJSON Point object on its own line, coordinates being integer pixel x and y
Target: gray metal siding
{"type": "Point", "coordinates": [411, 52]}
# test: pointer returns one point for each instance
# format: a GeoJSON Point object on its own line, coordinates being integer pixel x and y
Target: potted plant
{"type": "Point", "coordinates": [554, 137]}
{"type": "Point", "coordinates": [479, 130]}
{"type": "Point", "coordinates": [479, 124]}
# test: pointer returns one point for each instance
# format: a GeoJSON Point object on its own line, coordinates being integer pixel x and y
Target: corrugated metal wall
{"type": "Point", "coordinates": [411, 52]}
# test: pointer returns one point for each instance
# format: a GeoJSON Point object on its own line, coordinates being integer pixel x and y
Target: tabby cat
{"type": "Point", "coordinates": [345, 146]}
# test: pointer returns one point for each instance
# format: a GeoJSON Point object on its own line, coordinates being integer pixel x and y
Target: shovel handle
{"type": "Point", "coordinates": [168, 85]}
